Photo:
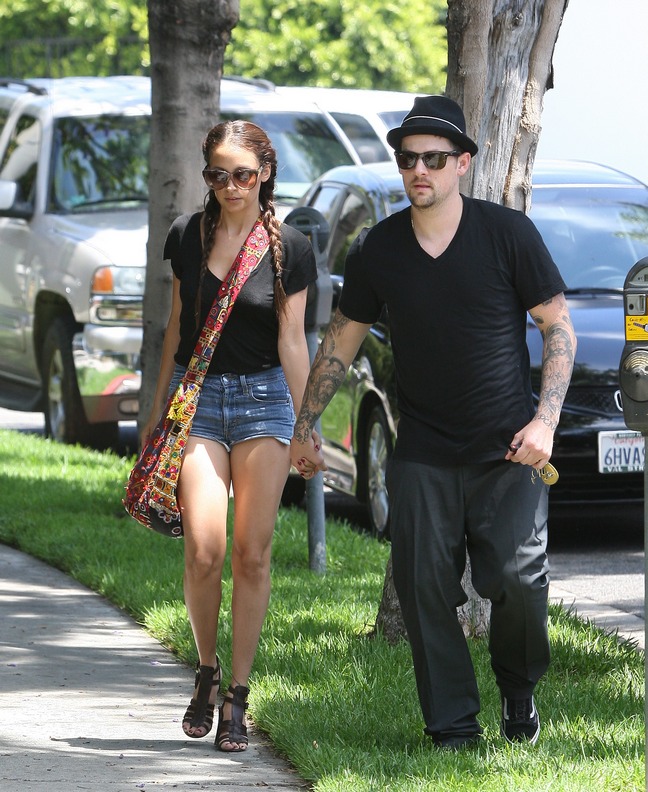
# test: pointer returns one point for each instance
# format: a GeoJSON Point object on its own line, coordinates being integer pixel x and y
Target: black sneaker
{"type": "Point", "coordinates": [520, 721]}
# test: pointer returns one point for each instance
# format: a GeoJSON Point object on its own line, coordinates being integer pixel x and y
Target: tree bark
{"type": "Point", "coordinates": [499, 67]}
{"type": "Point", "coordinates": [187, 43]}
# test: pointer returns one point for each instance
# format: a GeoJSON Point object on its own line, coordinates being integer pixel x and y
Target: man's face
{"type": "Point", "coordinates": [426, 186]}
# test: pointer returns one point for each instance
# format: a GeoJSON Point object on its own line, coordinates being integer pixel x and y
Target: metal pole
{"type": "Point", "coordinates": [315, 496]}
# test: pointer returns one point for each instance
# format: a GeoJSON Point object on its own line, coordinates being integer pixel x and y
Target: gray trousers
{"type": "Point", "coordinates": [499, 514]}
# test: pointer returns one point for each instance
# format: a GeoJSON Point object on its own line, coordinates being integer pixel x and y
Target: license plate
{"type": "Point", "coordinates": [621, 452]}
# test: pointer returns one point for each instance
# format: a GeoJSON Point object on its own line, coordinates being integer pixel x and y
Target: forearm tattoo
{"type": "Point", "coordinates": [326, 375]}
{"type": "Point", "coordinates": [557, 365]}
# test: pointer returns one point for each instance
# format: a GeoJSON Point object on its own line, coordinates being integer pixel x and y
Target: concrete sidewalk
{"type": "Point", "coordinates": [89, 701]}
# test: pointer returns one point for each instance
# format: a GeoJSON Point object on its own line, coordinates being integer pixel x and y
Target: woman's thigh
{"type": "Point", "coordinates": [259, 472]}
{"type": "Point", "coordinates": [203, 493]}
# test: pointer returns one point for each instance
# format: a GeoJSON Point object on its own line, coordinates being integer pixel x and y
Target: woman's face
{"type": "Point", "coordinates": [234, 176]}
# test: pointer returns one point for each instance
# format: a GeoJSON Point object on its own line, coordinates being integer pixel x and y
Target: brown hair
{"type": "Point", "coordinates": [247, 135]}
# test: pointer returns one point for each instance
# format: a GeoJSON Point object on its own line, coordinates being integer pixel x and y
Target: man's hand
{"type": "Point", "coordinates": [532, 445]}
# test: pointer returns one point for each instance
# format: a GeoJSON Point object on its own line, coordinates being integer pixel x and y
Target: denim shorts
{"type": "Point", "coordinates": [237, 407]}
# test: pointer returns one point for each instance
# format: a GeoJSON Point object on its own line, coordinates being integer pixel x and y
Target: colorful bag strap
{"type": "Point", "coordinates": [246, 261]}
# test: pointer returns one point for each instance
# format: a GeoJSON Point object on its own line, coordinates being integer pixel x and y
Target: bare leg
{"type": "Point", "coordinates": [259, 471]}
{"type": "Point", "coordinates": [204, 497]}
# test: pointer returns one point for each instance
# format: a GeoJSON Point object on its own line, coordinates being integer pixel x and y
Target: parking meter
{"type": "Point", "coordinates": [314, 225]}
{"type": "Point", "coordinates": [633, 378]}
{"type": "Point", "coordinates": [633, 369]}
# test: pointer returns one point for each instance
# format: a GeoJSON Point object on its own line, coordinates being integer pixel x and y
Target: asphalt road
{"type": "Point", "coordinates": [596, 554]}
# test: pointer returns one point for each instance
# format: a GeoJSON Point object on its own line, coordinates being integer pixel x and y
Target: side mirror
{"type": "Point", "coordinates": [10, 203]}
{"type": "Point", "coordinates": [314, 225]}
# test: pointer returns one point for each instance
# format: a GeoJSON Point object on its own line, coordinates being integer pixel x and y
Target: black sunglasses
{"type": "Point", "coordinates": [243, 178]}
{"type": "Point", "coordinates": [433, 160]}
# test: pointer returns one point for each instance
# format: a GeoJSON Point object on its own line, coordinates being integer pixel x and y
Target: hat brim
{"type": "Point", "coordinates": [395, 136]}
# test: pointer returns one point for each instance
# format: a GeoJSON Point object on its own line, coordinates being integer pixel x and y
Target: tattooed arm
{"type": "Point", "coordinates": [534, 442]}
{"type": "Point", "coordinates": [338, 348]}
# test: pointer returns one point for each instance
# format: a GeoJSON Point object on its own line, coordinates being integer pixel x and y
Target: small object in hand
{"type": "Point", "coordinates": [548, 474]}
{"type": "Point", "coordinates": [514, 449]}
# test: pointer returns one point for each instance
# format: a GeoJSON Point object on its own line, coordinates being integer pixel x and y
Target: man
{"type": "Point", "coordinates": [458, 276]}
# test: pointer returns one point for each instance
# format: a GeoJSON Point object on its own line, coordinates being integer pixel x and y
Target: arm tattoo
{"type": "Point", "coordinates": [326, 376]}
{"type": "Point", "coordinates": [557, 364]}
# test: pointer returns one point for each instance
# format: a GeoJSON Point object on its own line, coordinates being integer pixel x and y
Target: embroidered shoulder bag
{"type": "Point", "coordinates": [151, 491]}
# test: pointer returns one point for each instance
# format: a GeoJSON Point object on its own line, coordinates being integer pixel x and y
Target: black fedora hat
{"type": "Point", "coordinates": [434, 115]}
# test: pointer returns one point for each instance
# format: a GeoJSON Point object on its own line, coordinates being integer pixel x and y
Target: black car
{"type": "Point", "coordinates": [594, 221]}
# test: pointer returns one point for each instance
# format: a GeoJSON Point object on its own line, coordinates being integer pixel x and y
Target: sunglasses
{"type": "Point", "coordinates": [243, 178]}
{"type": "Point", "coordinates": [433, 160]}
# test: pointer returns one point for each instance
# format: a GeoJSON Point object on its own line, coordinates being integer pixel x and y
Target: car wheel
{"type": "Point", "coordinates": [378, 449]}
{"type": "Point", "coordinates": [65, 419]}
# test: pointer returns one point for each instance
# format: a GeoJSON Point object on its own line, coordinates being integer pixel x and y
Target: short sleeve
{"type": "Point", "coordinates": [173, 243]}
{"type": "Point", "coordinates": [299, 266]}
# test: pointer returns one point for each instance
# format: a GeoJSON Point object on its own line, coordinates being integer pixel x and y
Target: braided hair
{"type": "Point", "coordinates": [244, 134]}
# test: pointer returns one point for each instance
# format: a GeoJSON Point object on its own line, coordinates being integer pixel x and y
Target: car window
{"type": "Point", "coordinates": [355, 214]}
{"type": "Point", "coordinates": [21, 157]}
{"type": "Point", "coordinates": [595, 234]}
{"type": "Point", "coordinates": [306, 146]}
{"type": "Point", "coordinates": [363, 137]}
{"type": "Point", "coordinates": [98, 161]}
{"type": "Point", "coordinates": [393, 118]}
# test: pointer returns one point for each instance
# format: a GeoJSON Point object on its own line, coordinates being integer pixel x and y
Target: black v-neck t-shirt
{"type": "Point", "coordinates": [457, 327]}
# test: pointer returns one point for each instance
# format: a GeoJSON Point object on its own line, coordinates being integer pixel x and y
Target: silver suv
{"type": "Point", "coordinates": [73, 233]}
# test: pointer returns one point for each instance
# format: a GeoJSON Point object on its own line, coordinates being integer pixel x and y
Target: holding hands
{"type": "Point", "coordinates": [306, 456]}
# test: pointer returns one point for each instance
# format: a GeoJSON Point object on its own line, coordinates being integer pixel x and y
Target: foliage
{"type": "Point", "coordinates": [398, 46]}
{"type": "Point", "coordinates": [343, 708]}
{"type": "Point", "coordinates": [59, 38]}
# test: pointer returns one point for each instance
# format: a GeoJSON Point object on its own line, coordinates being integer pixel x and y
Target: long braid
{"type": "Point", "coordinates": [273, 226]}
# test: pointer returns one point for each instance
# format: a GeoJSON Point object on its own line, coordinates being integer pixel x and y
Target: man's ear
{"type": "Point", "coordinates": [463, 162]}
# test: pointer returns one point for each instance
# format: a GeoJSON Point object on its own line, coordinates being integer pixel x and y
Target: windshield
{"type": "Point", "coordinates": [595, 233]}
{"type": "Point", "coordinates": [99, 161]}
{"type": "Point", "coordinates": [103, 160]}
{"type": "Point", "coordinates": [306, 146]}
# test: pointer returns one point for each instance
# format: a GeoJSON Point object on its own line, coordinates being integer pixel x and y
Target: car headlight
{"type": "Point", "coordinates": [118, 280]}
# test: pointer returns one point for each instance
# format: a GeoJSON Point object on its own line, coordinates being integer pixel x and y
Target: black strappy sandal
{"type": "Point", "coordinates": [200, 713]}
{"type": "Point", "coordinates": [234, 730]}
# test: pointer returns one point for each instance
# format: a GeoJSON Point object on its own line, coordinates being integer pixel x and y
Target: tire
{"type": "Point", "coordinates": [65, 419]}
{"type": "Point", "coordinates": [377, 450]}
{"type": "Point", "coordinates": [293, 492]}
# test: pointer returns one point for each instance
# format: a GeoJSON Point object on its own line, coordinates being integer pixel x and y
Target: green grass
{"type": "Point", "coordinates": [340, 705]}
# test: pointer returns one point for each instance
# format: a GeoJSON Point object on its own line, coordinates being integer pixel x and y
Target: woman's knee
{"type": "Point", "coordinates": [203, 563]}
{"type": "Point", "coordinates": [251, 563]}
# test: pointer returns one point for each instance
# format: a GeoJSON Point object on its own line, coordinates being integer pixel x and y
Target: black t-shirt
{"type": "Point", "coordinates": [249, 339]}
{"type": "Point", "coordinates": [458, 327]}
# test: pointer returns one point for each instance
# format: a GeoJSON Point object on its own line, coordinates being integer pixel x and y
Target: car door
{"type": "Point", "coordinates": [18, 164]}
{"type": "Point", "coordinates": [347, 211]}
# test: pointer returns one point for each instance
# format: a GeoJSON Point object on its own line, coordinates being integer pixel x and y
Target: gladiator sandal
{"type": "Point", "coordinates": [200, 713]}
{"type": "Point", "coordinates": [233, 731]}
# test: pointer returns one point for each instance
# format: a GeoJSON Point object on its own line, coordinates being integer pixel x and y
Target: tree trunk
{"type": "Point", "coordinates": [499, 67]}
{"type": "Point", "coordinates": [187, 43]}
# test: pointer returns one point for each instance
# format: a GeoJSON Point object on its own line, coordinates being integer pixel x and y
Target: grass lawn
{"type": "Point", "coordinates": [341, 706]}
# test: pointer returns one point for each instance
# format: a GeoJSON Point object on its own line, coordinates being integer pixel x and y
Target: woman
{"type": "Point", "coordinates": [241, 432]}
